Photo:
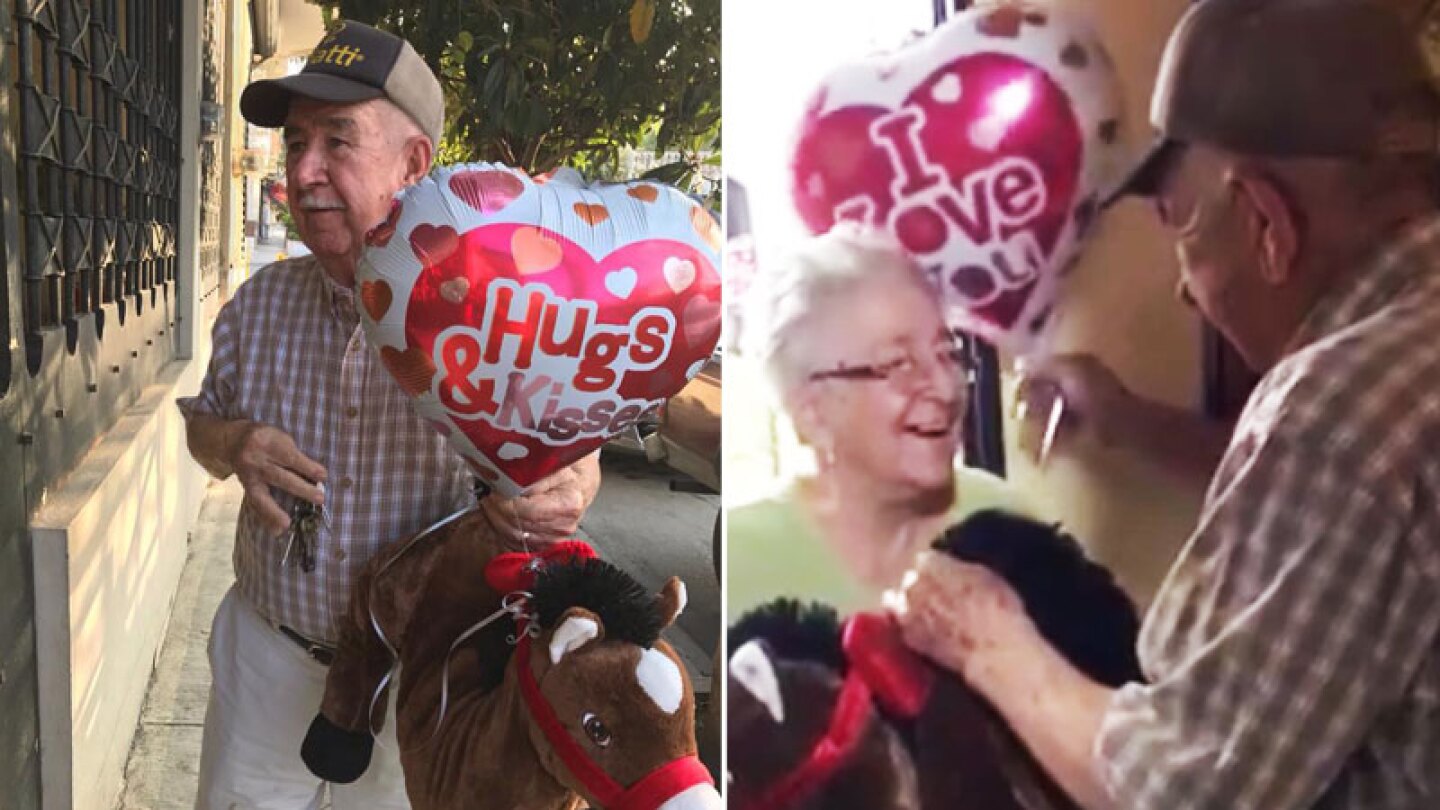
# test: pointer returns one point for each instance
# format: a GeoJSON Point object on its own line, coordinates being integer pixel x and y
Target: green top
{"type": "Point", "coordinates": [774, 549]}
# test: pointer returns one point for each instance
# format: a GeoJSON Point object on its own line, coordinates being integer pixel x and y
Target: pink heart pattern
{"type": "Point", "coordinates": [981, 147]}
{"type": "Point", "coordinates": [488, 191]}
{"type": "Point", "coordinates": [955, 192]}
{"type": "Point", "coordinates": [539, 328]}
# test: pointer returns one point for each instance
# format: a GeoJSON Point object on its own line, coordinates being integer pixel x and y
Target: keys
{"type": "Point", "coordinates": [305, 521]}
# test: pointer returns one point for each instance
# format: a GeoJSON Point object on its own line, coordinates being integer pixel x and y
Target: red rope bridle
{"type": "Point", "coordinates": [516, 571]}
{"type": "Point", "coordinates": [881, 670]}
{"type": "Point", "coordinates": [650, 792]}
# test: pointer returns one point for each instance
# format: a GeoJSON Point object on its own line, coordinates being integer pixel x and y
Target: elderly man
{"type": "Point", "coordinates": [298, 407]}
{"type": "Point", "coordinates": [1292, 653]}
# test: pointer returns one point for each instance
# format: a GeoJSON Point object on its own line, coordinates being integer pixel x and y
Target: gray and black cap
{"type": "Point", "coordinates": [353, 63]}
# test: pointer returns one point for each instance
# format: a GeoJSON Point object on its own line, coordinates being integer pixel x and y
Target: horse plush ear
{"type": "Point", "coordinates": [751, 668]}
{"type": "Point", "coordinates": [576, 628]}
{"type": "Point", "coordinates": [671, 601]}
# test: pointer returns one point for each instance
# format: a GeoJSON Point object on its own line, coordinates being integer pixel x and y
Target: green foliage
{"type": "Point", "coordinates": [538, 84]}
{"type": "Point", "coordinates": [282, 213]}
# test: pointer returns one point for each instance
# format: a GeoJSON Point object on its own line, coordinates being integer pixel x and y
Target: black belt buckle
{"type": "Point", "coordinates": [321, 653]}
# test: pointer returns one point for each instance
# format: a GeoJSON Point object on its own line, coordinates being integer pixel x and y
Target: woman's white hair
{"type": "Point", "coordinates": [787, 296]}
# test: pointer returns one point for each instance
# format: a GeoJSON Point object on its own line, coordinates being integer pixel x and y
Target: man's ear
{"type": "Point", "coordinates": [419, 155]}
{"type": "Point", "coordinates": [671, 601]}
{"type": "Point", "coordinates": [576, 628]}
{"type": "Point", "coordinates": [1275, 223]}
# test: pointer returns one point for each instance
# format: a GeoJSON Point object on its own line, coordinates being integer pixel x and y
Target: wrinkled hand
{"type": "Point", "coordinates": [263, 457]}
{"type": "Point", "coordinates": [550, 511]}
{"type": "Point", "coordinates": [1096, 403]}
{"type": "Point", "coordinates": [958, 614]}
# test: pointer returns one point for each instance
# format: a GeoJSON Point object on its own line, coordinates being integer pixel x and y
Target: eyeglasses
{"type": "Point", "coordinates": [904, 365]}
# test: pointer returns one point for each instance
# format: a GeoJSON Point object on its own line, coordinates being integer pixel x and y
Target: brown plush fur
{"type": "Point", "coordinates": [488, 752]}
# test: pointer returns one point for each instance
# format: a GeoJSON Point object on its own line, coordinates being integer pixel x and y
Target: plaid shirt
{"type": "Point", "coordinates": [1292, 650]}
{"type": "Point", "coordinates": [288, 352]}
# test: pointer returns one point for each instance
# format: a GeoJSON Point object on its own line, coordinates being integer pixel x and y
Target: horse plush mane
{"type": "Point", "coordinates": [958, 748]}
{"type": "Point", "coordinates": [627, 611]}
{"type": "Point", "coordinates": [793, 630]}
{"type": "Point", "coordinates": [535, 681]}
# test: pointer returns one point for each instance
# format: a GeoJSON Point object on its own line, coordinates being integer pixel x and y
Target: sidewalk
{"type": "Point", "coordinates": [165, 758]}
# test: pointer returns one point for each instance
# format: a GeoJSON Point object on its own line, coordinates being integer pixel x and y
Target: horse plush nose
{"type": "Point", "coordinates": [697, 797]}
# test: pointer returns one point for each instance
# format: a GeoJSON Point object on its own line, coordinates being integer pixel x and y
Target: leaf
{"type": "Point", "coordinates": [669, 173]}
{"type": "Point", "coordinates": [554, 82]}
{"type": "Point", "coordinates": [642, 18]}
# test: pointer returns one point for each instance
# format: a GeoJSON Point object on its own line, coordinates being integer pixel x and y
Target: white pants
{"type": "Point", "coordinates": [264, 692]}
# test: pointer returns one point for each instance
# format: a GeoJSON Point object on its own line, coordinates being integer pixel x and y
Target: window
{"type": "Point", "coordinates": [97, 92]}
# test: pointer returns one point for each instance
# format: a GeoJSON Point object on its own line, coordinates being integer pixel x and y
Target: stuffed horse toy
{"type": "Point", "coordinates": [525, 681]}
{"type": "Point", "coordinates": [816, 693]}
{"type": "Point", "coordinates": [801, 734]}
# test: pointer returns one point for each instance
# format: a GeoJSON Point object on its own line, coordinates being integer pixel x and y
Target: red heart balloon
{"type": "Point", "coordinates": [980, 149]}
{"type": "Point", "coordinates": [529, 323]}
{"type": "Point", "coordinates": [515, 396]}
{"type": "Point", "coordinates": [929, 168]}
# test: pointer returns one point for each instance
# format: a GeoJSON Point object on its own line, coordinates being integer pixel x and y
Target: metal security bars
{"type": "Point", "coordinates": [98, 101]}
{"type": "Point", "coordinates": [212, 162]}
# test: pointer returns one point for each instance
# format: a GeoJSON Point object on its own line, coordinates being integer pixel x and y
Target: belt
{"type": "Point", "coordinates": [323, 653]}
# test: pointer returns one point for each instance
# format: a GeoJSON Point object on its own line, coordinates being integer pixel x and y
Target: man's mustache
{"type": "Point", "coordinates": [315, 202]}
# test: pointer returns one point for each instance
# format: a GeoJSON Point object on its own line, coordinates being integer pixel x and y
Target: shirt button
{"type": "Point", "coordinates": [346, 482]}
{"type": "Point", "coordinates": [352, 412]}
{"type": "Point", "coordinates": [338, 553]}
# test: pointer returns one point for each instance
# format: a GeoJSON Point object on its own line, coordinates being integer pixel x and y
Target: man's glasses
{"type": "Point", "coordinates": [904, 366]}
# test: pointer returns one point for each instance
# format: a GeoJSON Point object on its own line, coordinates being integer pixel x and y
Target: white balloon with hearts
{"type": "Point", "coordinates": [532, 320]}
{"type": "Point", "coordinates": [983, 148]}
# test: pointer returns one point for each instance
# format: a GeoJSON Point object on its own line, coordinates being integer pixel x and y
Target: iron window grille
{"type": "Point", "coordinates": [98, 159]}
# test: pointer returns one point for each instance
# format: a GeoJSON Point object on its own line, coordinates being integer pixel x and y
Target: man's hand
{"type": "Point", "coordinates": [970, 621]}
{"type": "Point", "coordinates": [259, 455]}
{"type": "Point", "coordinates": [962, 616]}
{"type": "Point", "coordinates": [550, 511]}
{"type": "Point", "coordinates": [1097, 406]}
{"type": "Point", "coordinates": [1100, 410]}
{"type": "Point", "coordinates": [264, 457]}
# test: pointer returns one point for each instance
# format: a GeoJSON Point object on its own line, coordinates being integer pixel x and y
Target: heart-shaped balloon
{"type": "Point", "coordinates": [982, 147]}
{"type": "Point", "coordinates": [530, 321]}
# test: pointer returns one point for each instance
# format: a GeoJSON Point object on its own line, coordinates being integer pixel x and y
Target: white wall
{"type": "Point", "coordinates": [109, 546]}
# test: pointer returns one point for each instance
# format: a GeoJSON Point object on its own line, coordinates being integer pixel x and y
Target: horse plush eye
{"type": "Point", "coordinates": [595, 730]}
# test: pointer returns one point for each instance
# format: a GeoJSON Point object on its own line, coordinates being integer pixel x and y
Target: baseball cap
{"type": "Point", "coordinates": [354, 62]}
{"type": "Point", "coordinates": [1290, 78]}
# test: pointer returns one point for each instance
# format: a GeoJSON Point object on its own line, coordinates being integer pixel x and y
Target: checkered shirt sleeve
{"type": "Point", "coordinates": [218, 391]}
{"type": "Point", "coordinates": [1292, 650]}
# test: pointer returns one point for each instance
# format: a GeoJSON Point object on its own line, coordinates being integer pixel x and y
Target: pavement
{"type": "Point", "coordinates": [638, 521]}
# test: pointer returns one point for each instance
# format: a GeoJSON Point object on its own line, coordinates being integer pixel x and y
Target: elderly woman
{"type": "Point", "coordinates": [852, 339]}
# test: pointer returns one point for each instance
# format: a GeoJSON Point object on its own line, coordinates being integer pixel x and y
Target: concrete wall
{"type": "Point", "coordinates": [108, 550]}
